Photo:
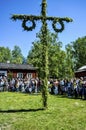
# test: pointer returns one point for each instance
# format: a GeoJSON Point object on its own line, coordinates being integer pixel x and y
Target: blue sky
{"type": "Point", "coordinates": [11, 33]}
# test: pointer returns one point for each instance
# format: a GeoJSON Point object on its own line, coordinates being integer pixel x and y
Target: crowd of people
{"type": "Point", "coordinates": [75, 88]}
{"type": "Point", "coordinates": [71, 88]}
{"type": "Point", "coordinates": [19, 84]}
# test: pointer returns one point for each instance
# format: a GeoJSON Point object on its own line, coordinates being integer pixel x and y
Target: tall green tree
{"type": "Point", "coordinates": [69, 62]}
{"type": "Point", "coordinates": [17, 56]}
{"type": "Point", "coordinates": [78, 50]}
{"type": "Point", "coordinates": [54, 50]}
{"type": "Point", "coordinates": [56, 56]}
{"type": "Point", "coordinates": [5, 54]}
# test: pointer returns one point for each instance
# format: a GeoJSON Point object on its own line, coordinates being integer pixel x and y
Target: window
{"type": "Point", "coordinates": [29, 75]}
{"type": "Point", "coordinates": [3, 73]}
{"type": "Point", "coordinates": [20, 75]}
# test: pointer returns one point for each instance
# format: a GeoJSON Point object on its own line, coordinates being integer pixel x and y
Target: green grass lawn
{"type": "Point", "coordinates": [24, 112]}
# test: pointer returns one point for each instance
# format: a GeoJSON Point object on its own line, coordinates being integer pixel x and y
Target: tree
{"type": "Point", "coordinates": [56, 56]}
{"type": "Point", "coordinates": [54, 50]}
{"type": "Point", "coordinates": [69, 62]}
{"type": "Point", "coordinates": [17, 56]}
{"type": "Point", "coordinates": [78, 51]}
{"type": "Point", "coordinates": [5, 54]}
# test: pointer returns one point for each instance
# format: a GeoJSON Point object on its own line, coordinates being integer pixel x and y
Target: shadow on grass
{"type": "Point", "coordinates": [21, 110]}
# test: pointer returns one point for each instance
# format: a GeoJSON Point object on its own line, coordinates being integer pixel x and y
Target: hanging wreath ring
{"type": "Point", "coordinates": [55, 22]}
{"type": "Point", "coordinates": [26, 27]}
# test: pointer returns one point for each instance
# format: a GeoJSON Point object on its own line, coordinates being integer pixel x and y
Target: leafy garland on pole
{"type": "Point", "coordinates": [26, 27]}
{"type": "Point", "coordinates": [45, 70]}
{"type": "Point", "coordinates": [32, 19]}
{"type": "Point", "coordinates": [43, 18]}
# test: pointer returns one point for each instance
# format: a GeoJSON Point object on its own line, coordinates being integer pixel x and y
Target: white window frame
{"type": "Point", "coordinates": [20, 75]}
{"type": "Point", "coordinates": [29, 75]}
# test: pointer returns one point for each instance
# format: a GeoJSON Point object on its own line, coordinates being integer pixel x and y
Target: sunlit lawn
{"type": "Point", "coordinates": [24, 112]}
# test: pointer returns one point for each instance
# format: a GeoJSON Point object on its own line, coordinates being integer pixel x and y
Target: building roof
{"type": "Point", "coordinates": [81, 69]}
{"type": "Point", "coordinates": [17, 66]}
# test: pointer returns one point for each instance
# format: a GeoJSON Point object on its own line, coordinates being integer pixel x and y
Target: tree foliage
{"type": "Point", "coordinates": [78, 52]}
{"type": "Point", "coordinates": [14, 56]}
{"type": "Point", "coordinates": [56, 56]}
{"type": "Point", "coordinates": [17, 56]}
{"type": "Point", "coordinates": [69, 62]}
{"type": "Point", "coordinates": [5, 54]}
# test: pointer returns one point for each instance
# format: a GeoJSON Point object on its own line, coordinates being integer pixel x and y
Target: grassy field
{"type": "Point", "coordinates": [24, 112]}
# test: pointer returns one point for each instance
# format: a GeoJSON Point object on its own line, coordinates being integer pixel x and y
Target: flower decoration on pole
{"type": "Point", "coordinates": [43, 18]}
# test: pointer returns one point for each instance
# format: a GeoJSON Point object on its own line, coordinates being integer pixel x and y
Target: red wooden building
{"type": "Point", "coordinates": [81, 72]}
{"type": "Point", "coordinates": [18, 70]}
